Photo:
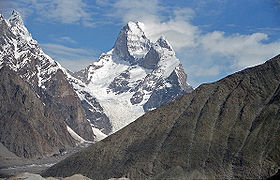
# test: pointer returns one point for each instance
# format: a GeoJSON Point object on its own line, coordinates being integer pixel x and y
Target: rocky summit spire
{"type": "Point", "coordinates": [40, 80]}
{"type": "Point", "coordinates": [2, 20]}
{"type": "Point", "coordinates": [16, 18]}
{"type": "Point", "coordinates": [1, 17]}
{"type": "Point", "coordinates": [162, 51]}
{"type": "Point", "coordinates": [132, 43]}
{"type": "Point", "coordinates": [18, 27]}
{"type": "Point", "coordinates": [4, 31]}
{"type": "Point", "coordinates": [162, 42]}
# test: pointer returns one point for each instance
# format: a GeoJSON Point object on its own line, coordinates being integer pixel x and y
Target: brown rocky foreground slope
{"type": "Point", "coordinates": [226, 129]}
{"type": "Point", "coordinates": [31, 176]}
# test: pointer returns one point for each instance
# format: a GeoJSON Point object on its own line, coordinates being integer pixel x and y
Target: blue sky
{"type": "Point", "coordinates": [212, 38]}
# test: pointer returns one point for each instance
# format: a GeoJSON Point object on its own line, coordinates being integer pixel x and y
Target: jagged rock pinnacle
{"type": "Point", "coordinates": [162, 41]}
{"type": "Point", "coordinates": [2, 20]}
{"type": "Point", "coordinates": [132, 42]}
{"type": "Point", "coordinates": [16, 18]}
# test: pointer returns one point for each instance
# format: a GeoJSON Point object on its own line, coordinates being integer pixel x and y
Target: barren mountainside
{"type": "Point", "coordinates": [227, 129]}
{"type": "Point", "coordinates": [26, 126]}
{"type": "Point", "coordinates": [49, 104]}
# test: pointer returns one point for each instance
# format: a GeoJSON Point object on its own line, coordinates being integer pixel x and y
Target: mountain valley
{"type": "Point", "coordinates": [47, 109]}
{"type": "Point", "coordinates": [131, 114]}
{"type": "Point", "coordinates": [228, 129]}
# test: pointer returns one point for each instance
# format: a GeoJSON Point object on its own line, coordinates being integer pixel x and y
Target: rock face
{"type": "Point", "coordinates": [64, 104]}
{"type": "Point", "coordinates": [225, 130]}
{"type": "Point", "coordinates": [26, 126]}
{"type": "Point", "coordinates": [20, 53]}
{"type": "Point", "coordinates": [136, 76]}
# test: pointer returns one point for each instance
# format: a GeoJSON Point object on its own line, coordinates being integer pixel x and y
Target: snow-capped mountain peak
{"type": "Point", "coordinates": [1, 18]}
{"type": "Point", "coordinates": [18, 27]}
{"type": "Point", "coordinates": [136, 27]}
{"type": "Point", "coordinates": [22, 54]}
{"type": "Point", "coordinates": [16, 18]}
{"type": "Point", "coordinates": [163, 42]}
{"type": "Point", "coordinates": [132, 43]}
{"type": "Point", "coordinates": [136, 76]}
{"type": "Point", "coordinates": [161, 55]}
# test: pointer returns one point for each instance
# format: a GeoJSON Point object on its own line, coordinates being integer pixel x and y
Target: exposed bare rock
{"type": "Point", "coordinates": [26, 127]}
{"type": "Point", "coordinates": [64, 104]}
{"type": "Point", "coordinates": [229, 129]}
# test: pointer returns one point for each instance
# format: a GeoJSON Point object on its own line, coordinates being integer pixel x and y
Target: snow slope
{"type": "Point", "coordinates": [76, 136]}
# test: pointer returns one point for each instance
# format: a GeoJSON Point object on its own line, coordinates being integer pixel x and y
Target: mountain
{"type": "Point", "coordinates": [136, 76]}
{"type": "Point", "coordinates": [26, 126]}
{"type": "Point", "coordinates": [228, 129]}
{"type": "Point", "coordinates": [20, 53]}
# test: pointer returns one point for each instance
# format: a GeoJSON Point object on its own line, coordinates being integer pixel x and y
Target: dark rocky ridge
{"type": "Point", "coordinates": [151, 59]}
{"type": "Point", "coordinates": [26, 126]}
{"type": "Point", "coordinates": [227, 129]}
{"type": "Point", "coordinates": [64, 104]}
{"type": "Point", "coordinates": [162, 95]}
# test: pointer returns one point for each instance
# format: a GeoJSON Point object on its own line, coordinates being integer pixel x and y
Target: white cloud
{"type": "Point", "coordinates": [202, 71]}
{"type": "Point", "coordinates": [244, 50]}
{"type": "Point", "coordinates": [66, 39]}
{"type": "Point", "coordinates": [138, 10]}
{"type": "Point", "coordinates": [179, 32]}
{"type": "Point", "coordinates": [65, 11]}
{"type": "Point", "coordinates": [75, 65]}
{"type": "Point", "coordinates": [71, 58]}
{"type": "Point", "coordinates": [203, 55]}
{"type": "Point", "coordinates": [64, 50]}
{"type": "Point", "coordinates": [184, 13]}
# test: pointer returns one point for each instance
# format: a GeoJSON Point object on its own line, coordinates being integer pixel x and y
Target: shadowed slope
{"type": "Point", "coordinates": [26, 126]}
{"type": "Point", "coordinates": [226, 129]}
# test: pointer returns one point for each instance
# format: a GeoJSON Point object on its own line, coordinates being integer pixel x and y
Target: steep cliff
{"type": "Point", "coordinates": [26, 126]}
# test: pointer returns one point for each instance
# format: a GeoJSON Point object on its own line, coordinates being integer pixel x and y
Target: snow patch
{"type": "Point", "coordinates": [39, 77]}
{"type": "Point", "coordinates": [137, 43]}
{"type": "Point", "coordinates": [121, 113]}
{"type": "Point", "coordinates": [98, 134]}
{"type": "Point", "coordinates": [76, 136]}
